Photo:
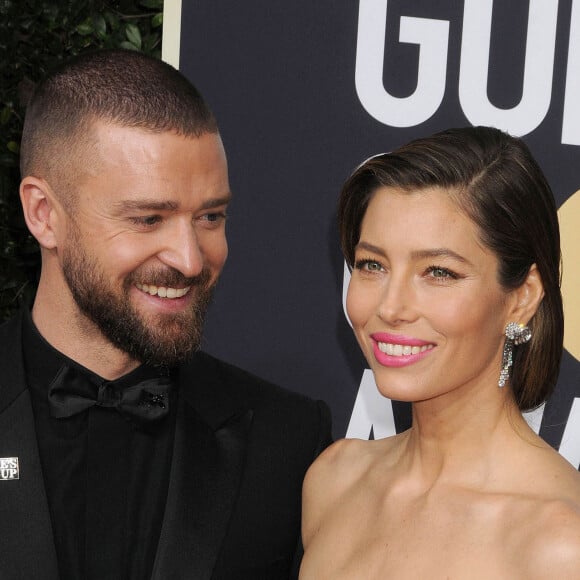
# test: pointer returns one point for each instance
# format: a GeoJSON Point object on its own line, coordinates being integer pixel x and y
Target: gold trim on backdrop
{"type": "Point", "coordinates": [569, 217]}
{"type": "Point", "coordinates": [171, 32]}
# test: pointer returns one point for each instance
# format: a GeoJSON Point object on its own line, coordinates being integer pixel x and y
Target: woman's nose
{"type": "Point", "coordinates": [397, 304]}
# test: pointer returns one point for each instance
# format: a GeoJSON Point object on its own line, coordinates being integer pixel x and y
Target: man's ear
{"type": "Point", "coordinates": [38, 205]}
{"type": "Point", "coordinates": [527, 297]}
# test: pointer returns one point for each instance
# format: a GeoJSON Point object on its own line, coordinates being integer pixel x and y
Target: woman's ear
{"type": "Point", "coordinates": [527, 297]}
{"type": "Point", "coordinates": [38, 202]}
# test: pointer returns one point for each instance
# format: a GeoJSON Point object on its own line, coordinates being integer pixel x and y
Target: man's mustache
{"type": "Point", "coordinates": [170, 278]}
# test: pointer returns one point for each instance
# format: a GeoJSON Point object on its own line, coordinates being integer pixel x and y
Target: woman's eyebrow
{"type": "Point", "coordinates": [417, 254]}
{"type": "Point", "coordinates": [439, 253]}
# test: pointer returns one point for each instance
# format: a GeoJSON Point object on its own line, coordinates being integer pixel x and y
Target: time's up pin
{"type": "Point", "coordinates": [9, 468]}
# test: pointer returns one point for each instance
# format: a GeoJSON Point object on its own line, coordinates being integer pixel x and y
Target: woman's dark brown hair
{"type": "Point", "coordinates": [495, 180]}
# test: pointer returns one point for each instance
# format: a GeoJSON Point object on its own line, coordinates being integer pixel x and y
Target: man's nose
{"type": "Point", "coordinates": [181, 249]}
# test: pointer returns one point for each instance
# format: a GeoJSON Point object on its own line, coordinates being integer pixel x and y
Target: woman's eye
{"type": "Point", "coordinates": [368, 266]}
{"type": "Point", "coordinates": [441, 273]}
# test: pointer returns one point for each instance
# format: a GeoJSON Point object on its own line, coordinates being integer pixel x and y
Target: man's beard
{"type": "Point", "coordinates": [164, 339]}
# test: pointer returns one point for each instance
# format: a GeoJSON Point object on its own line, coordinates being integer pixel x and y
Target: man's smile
{"type": "Point", "coordinates": [163, 291]}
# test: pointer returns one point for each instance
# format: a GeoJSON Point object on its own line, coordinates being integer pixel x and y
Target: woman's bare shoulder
{"type": "Point", "coordinates": [551, 477]}
{"type": "Point", "coordinates": [553, 545]}
{"type": "Point", "coordinates": [548, 524]}
{"type": "Point", "coordinates": [339, 462]}
{"type": "Point", "coordinates": [348, 459]}
{"type": "Point", "coordinates": [335, 476]}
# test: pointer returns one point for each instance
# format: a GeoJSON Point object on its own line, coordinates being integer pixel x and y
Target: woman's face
{"type": "Point", "coordinates": [424, 298]}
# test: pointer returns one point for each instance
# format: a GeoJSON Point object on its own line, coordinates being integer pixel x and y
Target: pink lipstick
{"type": "Point", "coordinates": [395, 350]}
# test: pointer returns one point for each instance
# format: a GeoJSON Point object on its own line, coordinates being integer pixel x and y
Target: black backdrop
{"type": "Point", "coordinates": [280, 77]}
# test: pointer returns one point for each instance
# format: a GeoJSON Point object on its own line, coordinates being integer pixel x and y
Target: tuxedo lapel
{"type": "Point", "coordinates": [25, 531]}
{"type": "Point", "coordinates": [208, 461]}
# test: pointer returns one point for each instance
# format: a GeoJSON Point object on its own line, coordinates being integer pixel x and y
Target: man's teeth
{"type": "Point", "coordinates": [402, 349]}
{"type": "Point", "coordinates": [162, 291]}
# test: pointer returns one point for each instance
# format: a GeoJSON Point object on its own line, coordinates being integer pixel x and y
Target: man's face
{"type": "Point", "coordinates": [145, 239]}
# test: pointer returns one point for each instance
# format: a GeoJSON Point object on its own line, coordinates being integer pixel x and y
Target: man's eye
{"type": "Point", "coordinates": [149, 220]}
{"type": "Point", "coordinates": [214, 217]}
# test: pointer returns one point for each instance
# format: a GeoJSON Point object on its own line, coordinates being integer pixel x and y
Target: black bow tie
{"type": "Point", "coordinates": [73, 391]}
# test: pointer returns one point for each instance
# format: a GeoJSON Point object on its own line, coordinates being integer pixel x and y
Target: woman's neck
{"type": "Point", "coordinates": [464, 441]}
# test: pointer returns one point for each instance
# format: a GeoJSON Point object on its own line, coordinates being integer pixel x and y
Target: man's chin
{"type": "Point", "coordinates": [163, 353]}
{"type": "Point", "coordinates": [175, 342]}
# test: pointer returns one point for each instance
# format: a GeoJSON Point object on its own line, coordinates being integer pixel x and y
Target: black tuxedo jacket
{"type": "Point", "coordinates": [241, 450]}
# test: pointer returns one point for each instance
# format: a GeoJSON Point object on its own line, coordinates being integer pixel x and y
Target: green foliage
{"type": "Point", "coordinates": [36, 35]}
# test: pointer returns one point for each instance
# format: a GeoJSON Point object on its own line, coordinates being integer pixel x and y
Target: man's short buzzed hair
{"type": "Point", "coordinates": [123, 87]}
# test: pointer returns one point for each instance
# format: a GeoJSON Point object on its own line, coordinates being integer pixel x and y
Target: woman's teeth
{"type": "Point", "coordinates": [402, 349]}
